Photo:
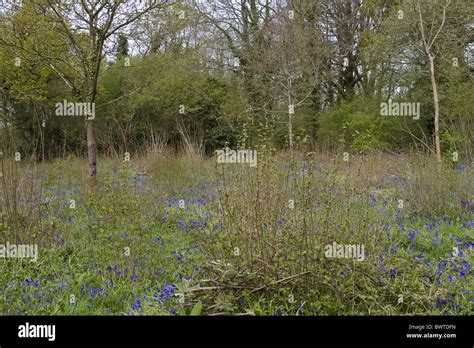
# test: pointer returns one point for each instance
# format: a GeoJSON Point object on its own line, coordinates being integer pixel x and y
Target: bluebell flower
{"type": "Point", "coordinates": [30, 281]}
{"type": "Point", "coordinates": [467, 205]}
{"type": "Point", "coordinates": [136, 304]}
{"type": "Point", "coordinates": [372, 198]}
{"type": "Point", "coordinates": [94, 291]}
{"type": "Point", "coordinates": [462, 167]}
{"type": "Point", "coordinates": [216, 226]}
{"type": "Point", "coordinates": [167, 291]}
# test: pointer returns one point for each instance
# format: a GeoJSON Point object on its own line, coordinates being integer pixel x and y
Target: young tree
{"type": "Point", "coordinates": [98, 21]}
{"type": "Point", "coordinates": [414, 48]}
{"type": "Point", "coordinates": [428, 42]}
{"type": "Point", "coordinates": [292, 60]}
{"type": "Point", "coordinates": [243, 26]}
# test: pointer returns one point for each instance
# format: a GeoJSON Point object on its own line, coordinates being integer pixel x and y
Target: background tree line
{"type": "Point", "coordinates": [201, 75]}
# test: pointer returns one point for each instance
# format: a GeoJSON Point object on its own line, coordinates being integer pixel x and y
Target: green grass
{"type": "Point", "coordinates": [238, 246]}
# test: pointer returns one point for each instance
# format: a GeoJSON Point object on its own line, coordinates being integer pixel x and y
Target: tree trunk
{"type": "Point", "coordinates": [91, 150]}
{"type": "Point", "coordinates": [290, 121]}
{"type": "Point", "coordinates": [290, 131]}
{"type": "Point", "coordinates": [436, 107]}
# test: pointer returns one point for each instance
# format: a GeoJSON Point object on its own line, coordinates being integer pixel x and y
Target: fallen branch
{"type": "Point", "coordinates": [280, 281]}
{"type": "Point", "coordinates": [248, 314]}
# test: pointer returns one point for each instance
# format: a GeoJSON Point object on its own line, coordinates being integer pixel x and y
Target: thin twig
{"type": "Point", "coordinates": [280, 281]}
